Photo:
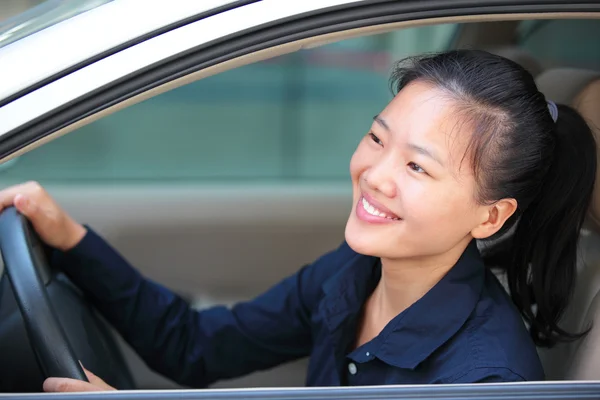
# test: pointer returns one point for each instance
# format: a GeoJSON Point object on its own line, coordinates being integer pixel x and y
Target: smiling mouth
{"type": "Point", "coordinates": [369, 208]}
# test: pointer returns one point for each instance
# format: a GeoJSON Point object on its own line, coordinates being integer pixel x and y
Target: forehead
{"type": "Point", "coordinates": [425, 115]}
{"type": "Point", "coordinates": [419, 108]}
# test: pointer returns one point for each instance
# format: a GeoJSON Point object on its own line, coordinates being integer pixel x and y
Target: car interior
{"type": "Point", "coordinates": [579, 360]}
{"type": "Point", "coordinates": [222, 186]}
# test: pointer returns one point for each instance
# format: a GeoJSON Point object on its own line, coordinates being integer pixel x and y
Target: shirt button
{"type": "Point", "coordinates": [352, 368]}
{"type": "Point", "coordinates": [368, 354]}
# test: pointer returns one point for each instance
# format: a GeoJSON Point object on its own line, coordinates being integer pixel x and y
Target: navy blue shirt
{"type": "Point", "coordinates": [464, 330]}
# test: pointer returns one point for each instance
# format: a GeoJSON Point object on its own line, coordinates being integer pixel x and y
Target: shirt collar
{"type": "Point", "coordinates": [419, 330]}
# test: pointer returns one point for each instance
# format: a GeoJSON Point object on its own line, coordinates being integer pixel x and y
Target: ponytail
{"type": "Point", "coordinates": [540, 258]}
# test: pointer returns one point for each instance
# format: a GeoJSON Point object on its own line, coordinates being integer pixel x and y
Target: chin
{"type": "Point", "coordinates": [358, 240]}
{"type": "Point", "coordinates": [376, 241]}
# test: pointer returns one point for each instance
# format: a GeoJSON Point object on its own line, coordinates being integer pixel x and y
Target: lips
{"type": "Point", "coordinates": [375, 209]}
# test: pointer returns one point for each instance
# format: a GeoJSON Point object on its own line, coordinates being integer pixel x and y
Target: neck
{"type": "Point", "coordinates": [404, 281]}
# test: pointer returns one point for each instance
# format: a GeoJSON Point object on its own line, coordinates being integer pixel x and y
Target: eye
{"type": "Point", "coordinates": [416, 167]}
{"type": "Point", "coordinates": [375, 139]}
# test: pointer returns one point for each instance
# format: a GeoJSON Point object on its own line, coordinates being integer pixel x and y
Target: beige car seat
{"type": "Point", "coordinates": [520, 56]}
{"type": "Point", "coordinates": [579, 360]}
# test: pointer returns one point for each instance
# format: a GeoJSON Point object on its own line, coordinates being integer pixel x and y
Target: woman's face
{"type": "Point", "coordinates": [414, 193]}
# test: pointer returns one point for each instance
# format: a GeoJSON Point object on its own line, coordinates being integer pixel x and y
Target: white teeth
{"type": "Point", "coordinates": [373, 211]}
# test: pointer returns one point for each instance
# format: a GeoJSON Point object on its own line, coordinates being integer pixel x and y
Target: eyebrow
{"type": "Point", "coordinates": [426, 152]}
{"type": "Point", "coordinates": [421, 150]}
{"type": "Point", "coordinates": [382, 122]}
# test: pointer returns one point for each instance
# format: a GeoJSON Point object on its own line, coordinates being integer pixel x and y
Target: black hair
{"type": "Point", "coordinates": [518, 151]}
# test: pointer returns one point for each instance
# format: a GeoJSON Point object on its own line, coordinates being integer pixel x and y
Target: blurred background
{"type": "Point", "coordinates": [9, 8]}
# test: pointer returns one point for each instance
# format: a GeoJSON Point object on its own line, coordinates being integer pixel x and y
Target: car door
{"type": "Point", "coordinates": [226, 139]}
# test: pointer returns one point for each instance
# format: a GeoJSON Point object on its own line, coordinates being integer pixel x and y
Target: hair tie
{"type": "Point", "coordinates": [553, 110]}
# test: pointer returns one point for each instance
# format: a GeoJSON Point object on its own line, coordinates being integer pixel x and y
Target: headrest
{"type": "Point", "coordinates": [520, 56]}
{"type": "Point", "coordinates": [581, 90]}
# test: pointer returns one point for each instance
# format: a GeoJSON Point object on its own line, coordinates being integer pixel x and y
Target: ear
{"type": "Point", "coordinates": [494, 217]}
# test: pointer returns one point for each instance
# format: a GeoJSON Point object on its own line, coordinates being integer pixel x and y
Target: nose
{"type": "Point", "coordinates": [380, 177]}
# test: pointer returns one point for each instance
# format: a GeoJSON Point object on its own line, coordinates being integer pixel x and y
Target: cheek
{"type": "Point", "coordinates": [442, 209]}
{"type": "Point", "coordinates": [359, 161]}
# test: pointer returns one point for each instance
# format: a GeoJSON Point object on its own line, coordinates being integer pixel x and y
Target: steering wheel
{"type": "Point", "coordinates": [28, 272]}
{"type": "Point", "coordinates": [46, 323]}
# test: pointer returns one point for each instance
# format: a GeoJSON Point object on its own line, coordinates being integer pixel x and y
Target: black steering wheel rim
{"type": "Point", "coordinates": [27, 269]}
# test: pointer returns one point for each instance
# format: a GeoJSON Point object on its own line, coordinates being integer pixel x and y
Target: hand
{"type": "Point", "coordinates": [95, 384]}
{"type": "Point", "coordinates": [54, 226]}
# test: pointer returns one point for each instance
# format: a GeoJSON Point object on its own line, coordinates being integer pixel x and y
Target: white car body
{"type": "Point", "coordinates": [83, 68]}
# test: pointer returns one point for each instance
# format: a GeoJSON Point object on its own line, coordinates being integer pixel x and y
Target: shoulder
{"type": "Point", "coordinates": [495, 342]}
{"type": "Point", "coordinates": [329, 263]}
{"type": "Point", "coordinates": [313, 276]}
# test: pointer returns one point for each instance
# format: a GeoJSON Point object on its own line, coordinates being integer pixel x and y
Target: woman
{"type": "Point", "coordinates": [466, 150]}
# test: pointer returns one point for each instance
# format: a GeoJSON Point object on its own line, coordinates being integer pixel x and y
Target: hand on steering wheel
{"type": "Point", "coordinates": [26, 267]}
{"type": "Point", "coordinates": [53, 225]}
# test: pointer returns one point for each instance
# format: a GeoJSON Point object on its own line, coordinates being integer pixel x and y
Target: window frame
{"type": "Point", "coordinates": [482, 391]}
{"type": "Point", "coordinates": [70, 56]}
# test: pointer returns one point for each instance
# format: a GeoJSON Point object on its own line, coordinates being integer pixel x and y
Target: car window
{"type": "Point", "coordinates": [562, 43]}
{"type": "Point", "coordinates": [293, 118]}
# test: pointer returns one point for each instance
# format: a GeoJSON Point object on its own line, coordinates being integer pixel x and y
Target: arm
{"type": "Point", "coordinates": [196, 348]}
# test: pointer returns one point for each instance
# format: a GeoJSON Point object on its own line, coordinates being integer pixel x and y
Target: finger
{"type": "Point", "coordinates": [69, 385]}
{"type": "Point", "coordinates": [25, 205]}
{"type": "Point", "coordinates": [7, 196]}
{"type": "Point", "coordinates": [96, 381]}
